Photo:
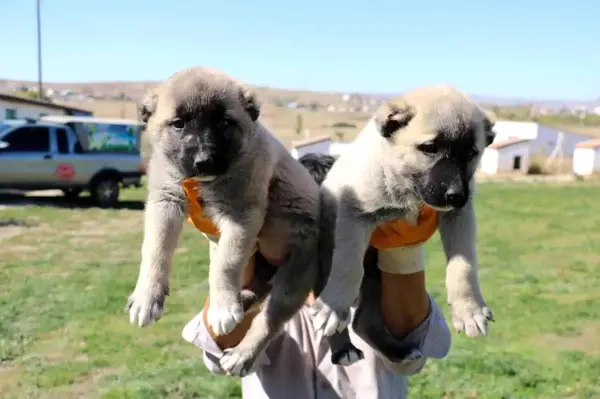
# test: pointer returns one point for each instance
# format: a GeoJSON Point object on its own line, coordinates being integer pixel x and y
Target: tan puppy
{"type": "Point", "coordinates": [415, 160]}
{"type": "Point", "coordinates": [215, 162]}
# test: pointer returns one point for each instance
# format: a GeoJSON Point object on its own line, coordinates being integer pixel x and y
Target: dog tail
{"type": "Point", "coordinates": [318, 165]}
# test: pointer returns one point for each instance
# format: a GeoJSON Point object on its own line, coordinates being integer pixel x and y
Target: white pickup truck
{"type": "Point", "coordinates": [41, 155]}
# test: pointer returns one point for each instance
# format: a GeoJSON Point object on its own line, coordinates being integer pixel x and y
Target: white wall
{"type": "Point", "coordinates": [512, 129]}
{"type": "Point", "coordinates": [322, 147]}
{"type": "Point", "coordinates": [28, 110]}
{"type": "Point", "coordinates": [586, 161]}
{"type": "Point", "coordinates": [507, 154]}
{"type": "Point", "coordinates": [489, 161]}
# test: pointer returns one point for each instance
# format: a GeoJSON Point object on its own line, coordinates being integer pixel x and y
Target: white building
{"type": "Point", "coordinates": [511, 155]}
{"type": "Point", "coordinates": [15, 107]}
{"type": "Point", "coordinates": [320, 144]}
{"type": "Point", "coordinates": [542, 139]}
{"type": "Point", "coordinates": [586, 158]}
{"type": "Point", "coordinates": [516, 142]}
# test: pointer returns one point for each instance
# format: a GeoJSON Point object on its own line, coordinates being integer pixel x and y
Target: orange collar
{"type": "Point", "coordinates": [400, 233]}
{"type": "Point", "coordinates": [196, 215]}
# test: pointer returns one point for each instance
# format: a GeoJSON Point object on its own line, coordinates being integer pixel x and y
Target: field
{"type": "Point", "coordinates": [67, 270]}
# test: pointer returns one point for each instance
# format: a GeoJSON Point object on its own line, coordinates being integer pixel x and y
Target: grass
{"type": "Point", "coordinates": [66, 273]}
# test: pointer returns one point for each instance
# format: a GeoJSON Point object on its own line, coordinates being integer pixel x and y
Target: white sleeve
{"type": "Point", "coordinates": [196, 333]}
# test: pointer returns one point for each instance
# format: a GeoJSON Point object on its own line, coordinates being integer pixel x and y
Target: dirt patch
{"type": "Point", "coordinates": [12, 228]}
{"type": "Point", "coordinates": [84, 387]}
{"type": "Point", "coordinates": [587, 341]}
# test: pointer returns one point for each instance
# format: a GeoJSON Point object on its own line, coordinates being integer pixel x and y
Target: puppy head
{"type": "Point", "coordinates": [435, 137]}
{"type": "Point", "coordinates": [200, 119]}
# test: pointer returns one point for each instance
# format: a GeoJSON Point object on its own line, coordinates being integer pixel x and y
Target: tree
{"type": "Point", "coordinates": [299, 123]}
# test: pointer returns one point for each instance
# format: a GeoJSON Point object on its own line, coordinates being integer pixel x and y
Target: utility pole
{"type": "Point", "coordinates": [39, 37]}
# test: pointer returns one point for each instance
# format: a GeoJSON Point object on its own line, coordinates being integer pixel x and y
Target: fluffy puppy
{"type": "Point", "coordinates": [413, 164]}
{"type": "Point", "coordinates": [215, 163]}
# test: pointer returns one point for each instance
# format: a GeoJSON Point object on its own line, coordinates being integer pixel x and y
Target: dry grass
{"type": "Point", "coordinates": [281, 120]}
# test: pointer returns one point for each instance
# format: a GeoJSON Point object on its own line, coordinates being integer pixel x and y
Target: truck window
{"type": "Point", "coordinates": [62, 141]}
{"type": "Point", "coordinates": [28, 139]}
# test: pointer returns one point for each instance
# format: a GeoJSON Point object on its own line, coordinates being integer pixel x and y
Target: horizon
{"type": "Point", "coordinates": [508, 52]}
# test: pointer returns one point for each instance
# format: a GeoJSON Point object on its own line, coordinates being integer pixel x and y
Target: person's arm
{"type": "Point", "coordinates": [199, 333]}
{"type": "Point", "coordinates": [410, 317]}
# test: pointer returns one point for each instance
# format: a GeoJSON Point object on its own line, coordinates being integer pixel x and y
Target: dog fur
{"type": "Point", "coordinates": [204, 125]}
{"type": "Point", "coordinates": [420, 148]}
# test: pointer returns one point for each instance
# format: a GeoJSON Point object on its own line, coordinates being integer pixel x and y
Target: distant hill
{"type": "Point", "coordinates": [339, 115]}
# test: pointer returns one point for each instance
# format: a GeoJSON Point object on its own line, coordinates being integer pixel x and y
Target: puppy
{"type": "Point", "coordinates": [413, 164]}
{"type": "Point", "coordinates": [215, 163]}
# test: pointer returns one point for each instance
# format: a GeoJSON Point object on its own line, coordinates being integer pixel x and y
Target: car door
{"type": "Point", "coordinates": [67, 160]}
{"type": "Point", "coordinates": [25, 157]}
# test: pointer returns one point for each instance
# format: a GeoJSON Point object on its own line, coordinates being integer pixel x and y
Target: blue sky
{"type": "Point", "coordinates": [515, 48]}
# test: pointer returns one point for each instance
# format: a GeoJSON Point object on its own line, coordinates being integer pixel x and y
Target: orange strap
{"type": "Point", "coordinates": [195, 214]}
{"type": "Point", "coordinates": [400, 233]}
{"type": "Point", "coordinates": [392, 234]}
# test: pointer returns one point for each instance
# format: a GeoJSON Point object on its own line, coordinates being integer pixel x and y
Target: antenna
{"type": "Point", "coordinates": [557, 153]}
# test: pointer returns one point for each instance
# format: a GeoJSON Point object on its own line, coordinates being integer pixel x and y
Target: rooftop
{"type": "Point", "coordinates": [40, 103]}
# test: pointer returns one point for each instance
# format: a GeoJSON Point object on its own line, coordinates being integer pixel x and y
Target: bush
{"type": "Point", "coordinates": [343, 125]}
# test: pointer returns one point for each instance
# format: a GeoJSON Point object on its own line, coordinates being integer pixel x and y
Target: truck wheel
{"type": "Point", "coordinates": [71, 193]}
{"type": "Point", "coordinates": [105, 192]}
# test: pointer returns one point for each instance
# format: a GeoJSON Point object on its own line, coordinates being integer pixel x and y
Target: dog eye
{"type": "Point", "coordinates": [177, 123]}
{"type": "Point", "coordinates": [428, 148]}
{"type": "Point", "coordinates": [224, 124]}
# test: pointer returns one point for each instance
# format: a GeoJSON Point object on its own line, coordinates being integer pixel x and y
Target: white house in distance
{"type": "Point", "coordinates": [319, 145]}
{"type": "Point", "coordinates": [516, 142]}
{"type": "Point", "coordinates": [507, 155]}
{"type": "Point", "coordinates": [586, 158]}
{"type": "Point", "coordinates": [15, 107]}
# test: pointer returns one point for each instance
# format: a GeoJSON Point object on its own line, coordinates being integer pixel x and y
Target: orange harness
{"type": "Point", "coordinates": [393, 234]}
{"type": "Point", "coordinates": [195, 214]}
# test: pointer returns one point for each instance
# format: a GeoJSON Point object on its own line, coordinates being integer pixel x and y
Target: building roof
{"type": "Point", "coordinates": [507, 143]}
{"type": "Point", "coordinates": [40, 103]}
{"type": "Point", "coordinates": [589, 144]}
{"type": "Point", "coordinates": [312, 140]}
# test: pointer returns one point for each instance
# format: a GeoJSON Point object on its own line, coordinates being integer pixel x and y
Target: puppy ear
{"type": "Point", "coordinates": [250, 103]}
{"type": "Point", "coordinates": [147, 106]}
{"type": "Point", "coordinates": [393, 117]}
{"type": "Point", "coordinates": [490, 121]}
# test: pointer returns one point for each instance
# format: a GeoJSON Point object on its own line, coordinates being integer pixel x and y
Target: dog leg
{"type": "Point", "coordinates": [236, 245]}
{"type": "Point", "coordinates": [331, 310]}
{"type": "Point", "coordinates": [470, 314]}
{"type": "Point", "coordinates": [290, 287]}
{"type": "Point", "coordinates": [163, 220]}
{"type": "Point", "coordinates": [343, 351]}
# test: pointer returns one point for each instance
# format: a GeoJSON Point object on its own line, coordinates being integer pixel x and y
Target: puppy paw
{"type": "Point", "coordinates": [471, 317]}
{"type": "Point", "coordinates": [347, 356]}
{"type": "Point", "coordinates": [327, 319]}
{"type": "Point", "coordinates": [237, 362]}
{"type": "Point", "coordinates": [223, 319]}
{"type": "Point", "coordinates": [146, 305]}
{"type": "Point", "coordinates": [411, 364]}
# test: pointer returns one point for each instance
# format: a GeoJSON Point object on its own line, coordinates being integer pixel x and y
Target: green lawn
{"type": "Point", "coordinates": [65, 278]}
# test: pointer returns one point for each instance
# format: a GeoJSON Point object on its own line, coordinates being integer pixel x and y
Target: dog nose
{"type": "Point", "coordinates": [204, 166]}
{"type": "Point", "coordinates": [456, 198]}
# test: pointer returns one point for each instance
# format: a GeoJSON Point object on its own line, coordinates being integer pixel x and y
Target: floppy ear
{"type": "Point", "coordinates": [250, 103]}
{"type": "Point", "coordinates": [393, 117]}
{"type": "Point", "coordinates": [147, 106]}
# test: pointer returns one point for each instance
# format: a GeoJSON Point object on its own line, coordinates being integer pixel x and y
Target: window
{"type": "Point", "coordinates": [517, 163]}
{"type": "Point", "coordinates": [28, 139]}
{"type": "Point", "coordinates": [10, 113]}
{"type": "Point", "coordinates": [62, 141]}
